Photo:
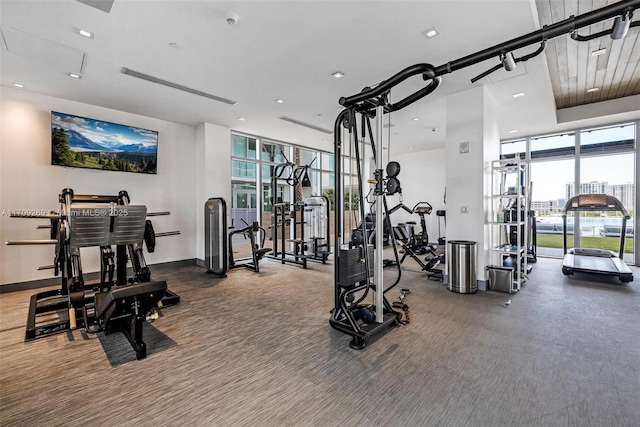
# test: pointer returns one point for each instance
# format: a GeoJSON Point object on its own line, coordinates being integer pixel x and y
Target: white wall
{"type": "Point", "coordinates": [28, 181]}
{"type": "Point", "coordinates": [464, 170]}
{"type": "Point", "coordinates": [213, 165]}
{"type": "Point", "coordinates": [471, 119]}
{"type": "Point", "coordinates": [422, 176]}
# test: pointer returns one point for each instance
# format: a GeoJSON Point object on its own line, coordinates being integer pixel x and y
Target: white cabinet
{"type": "Point", "coordinates": [508, 219]}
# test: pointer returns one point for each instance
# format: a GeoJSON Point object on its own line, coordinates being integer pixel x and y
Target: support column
{"type": "Point", "coordinates": [636, 208]}
{"type": "Point", "coordinates": [213, 173]}
{"type": "Point", "coordinates": [473, 141]}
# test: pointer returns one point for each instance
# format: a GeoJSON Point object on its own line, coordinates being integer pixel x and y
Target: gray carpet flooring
{"type": "Point", "coordinates": [257, 349]}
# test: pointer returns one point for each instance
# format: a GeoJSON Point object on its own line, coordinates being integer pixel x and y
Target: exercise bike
{"type": "Point", "coordinates": [415, 244]}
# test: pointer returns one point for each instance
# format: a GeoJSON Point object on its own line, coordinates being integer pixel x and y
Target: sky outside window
{"type": "Point", "coordinates": [549, 178]}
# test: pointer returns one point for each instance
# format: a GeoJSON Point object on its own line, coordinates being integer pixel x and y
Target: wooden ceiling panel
{"type": "Point", "coordinates": [572, 67]}
{"type": "Point", "coordinates": [631, 88]}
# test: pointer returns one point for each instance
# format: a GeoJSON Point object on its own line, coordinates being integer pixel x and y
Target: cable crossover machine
{"type": "Point", "coordinates": [109, 305]}
{"type": "Point", "coordinates": [309, 236]}
{"type": "Point", "coordinates": [358, 268]}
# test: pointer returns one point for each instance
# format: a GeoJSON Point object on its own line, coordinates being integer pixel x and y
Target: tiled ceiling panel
{"type": "Point", "coordinates": [43, 51]}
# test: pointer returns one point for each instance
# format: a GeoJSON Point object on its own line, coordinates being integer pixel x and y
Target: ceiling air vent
{"type": "Point", "coordinates": [307, 125]}
{"type": "Point", "coordinates": [152, 79]}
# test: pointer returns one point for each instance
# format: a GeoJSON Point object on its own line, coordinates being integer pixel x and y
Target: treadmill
{"type": "Point", "coordinates": [595, 261]}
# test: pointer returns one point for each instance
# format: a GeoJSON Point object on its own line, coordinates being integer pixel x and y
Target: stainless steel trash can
{"type": "Point", "coordinates": [462, 259]}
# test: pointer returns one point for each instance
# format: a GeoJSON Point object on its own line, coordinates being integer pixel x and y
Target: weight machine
{"type": "Point", "coordinates": [355, 265]}
{"type": "Point", "coordinates": [219, 253]}
{"type": "Point", "coordinates": [254, 233]}
{"type": "Point", "coordinates": [108, 306]}
{"type": "Point", "coordinates": [416, 245]}
{"type": "Point", "coordinates": [309, 234]}
{"type": "Point", "coordinates": [316, 228]}
{"type": "Point", "coordinates": [358, 267]}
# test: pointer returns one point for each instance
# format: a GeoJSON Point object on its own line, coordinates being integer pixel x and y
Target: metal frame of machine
{"type": "Point", "coordinates": [109, 306]}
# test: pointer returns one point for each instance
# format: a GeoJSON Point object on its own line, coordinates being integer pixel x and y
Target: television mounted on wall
{"type": "Point", "coordinates": [81, 142]}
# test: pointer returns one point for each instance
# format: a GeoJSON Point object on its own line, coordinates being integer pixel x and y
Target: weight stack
{"type": "Point", "coordinates": [352, 266]}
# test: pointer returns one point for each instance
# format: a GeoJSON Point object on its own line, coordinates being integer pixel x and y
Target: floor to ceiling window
{"type": "Point", "coordinates": [598, 160]}
{"type": "Point", "coordinates": [552, 170]}
{"type": "Point", "coordinates": [327, 181]}
{"type": "Point", "coordinates": [256, 160]}
{"type": "Point", "coordinates": [243, 180]}
{"type": "Point", "coordinates": [607, 166]}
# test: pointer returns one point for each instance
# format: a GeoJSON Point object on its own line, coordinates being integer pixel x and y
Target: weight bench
{"type": "Point", "coordinates": [125, 309]}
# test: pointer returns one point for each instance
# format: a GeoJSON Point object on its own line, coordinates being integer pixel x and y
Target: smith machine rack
{"type": "Point", "coordinates": [355, 265]}
{"type": "Point", "coordinates": [123, 305]}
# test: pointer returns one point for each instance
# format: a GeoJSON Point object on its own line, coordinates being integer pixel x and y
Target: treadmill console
{"type": "Point", "coordinates": [590, 201]}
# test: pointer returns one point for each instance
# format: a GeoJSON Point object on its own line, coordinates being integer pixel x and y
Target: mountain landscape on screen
{"type": "Point", "coordinates": [88, 143]}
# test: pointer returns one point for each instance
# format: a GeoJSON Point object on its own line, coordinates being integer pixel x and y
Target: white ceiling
{"type": "Point", "coordinates": [278, 49]}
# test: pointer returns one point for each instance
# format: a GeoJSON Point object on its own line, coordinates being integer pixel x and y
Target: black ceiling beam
{"type": "Point", "coordinates": [370, 98]}
{"type": "Point", "coordinates": [546, 33]}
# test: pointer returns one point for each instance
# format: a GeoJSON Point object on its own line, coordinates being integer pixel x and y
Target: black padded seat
{"type": "Point", "coordinates": [262, 251]}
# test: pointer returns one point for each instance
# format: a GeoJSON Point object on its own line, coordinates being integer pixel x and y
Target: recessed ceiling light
{"type": "Point", "coordinates": [337, 75]}
{"type": "Point", "coordinates": [75, 76]}
{"type": "Point", "coordinates": [84, 33]}
{"type": "Point", "coordinates": [174, 45]}
{"type": "Point", "coordinates": [415, 119]}
{"type": "Point", "coordinates": [431, 32]}
{"type": "Point", "coordinates": [280, 101]}
{"type": "Point", "coordinates": [599, 52]}
{"type": "Point", "coordinates": [242, 119]}
{"type": "Point", "coordinates": [513, 131]}
{"type": "Point", "coordinates": [518, 95]}
{"type": "Point", "coordinates": [593, 89]}
{"type": "Point", "coordinates": [20, 85]}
